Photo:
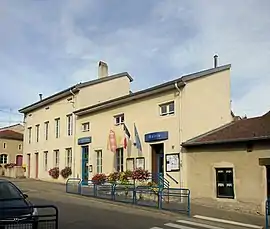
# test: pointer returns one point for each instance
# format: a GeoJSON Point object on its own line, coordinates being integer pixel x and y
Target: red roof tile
{"type": "Point", "coordinates": [241, 130]}
{"type": "Point", "coordinates": [10, 134]}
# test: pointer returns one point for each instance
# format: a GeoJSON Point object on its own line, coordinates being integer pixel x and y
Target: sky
{"type": "Point", "coordinates": [49, 45]}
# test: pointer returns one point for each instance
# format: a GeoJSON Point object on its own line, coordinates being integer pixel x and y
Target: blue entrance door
{"type": "Point", "coordinates": [85, 159]}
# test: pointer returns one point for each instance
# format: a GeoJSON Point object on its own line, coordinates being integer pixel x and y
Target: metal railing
{"type": "Point", "coordinates": [159, 196]}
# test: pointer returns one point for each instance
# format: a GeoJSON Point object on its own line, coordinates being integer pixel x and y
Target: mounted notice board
{"type": "Point", "coordinates": [173, 162]}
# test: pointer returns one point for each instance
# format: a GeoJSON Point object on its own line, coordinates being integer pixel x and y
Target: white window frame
{"type": "Point", "coordinates": [29, 134]}
{"type": "Point", "coordinates": [119, 119]}
{"type": "Point", "coordinates": [69, 124]}
{"type": "Point", "coordinates": [57, 127]}
{"type": "Point", "coordinates": [45, 160]}
{"type": "Point", "coordinates": [85, 125]}
{"type": "Point", "coordinates": [56, 153]}
{"type": "Point", "coordinates": [167, 108]}
{"type": "Point", "coordinates": [20, 147]}
{"type": "Point", "coordinates": [119, 159]}
{"type": "Point", "coordinates": [68, 157]}
{"type": "Point", "coordinates": [46, 129]}
{"type": "Point", "coordinates": [99, 161]}
{"type": "Point", "coordinates": [3, 158]}
{"type": "Point", "coordinates": [4, 145]}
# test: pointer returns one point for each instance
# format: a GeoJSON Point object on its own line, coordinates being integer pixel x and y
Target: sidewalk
{"type": "Point", "coordinates": [197, 209]}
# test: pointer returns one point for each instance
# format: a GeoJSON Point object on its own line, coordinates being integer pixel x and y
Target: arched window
{"type": "Point", "coordinates": [3, 158]}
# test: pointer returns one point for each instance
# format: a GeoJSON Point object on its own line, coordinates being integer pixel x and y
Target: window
{"type": "Point", "coordinates": [225, 186]}
{"type": "Point", "coordinates": [46, 124]}
{"type": "Point", "coordinates": [45, 158]}
{"type": "Point", "coordinates": [69, 125]}
{"type": "Point", "coordinates": [119, 119]}
{"type": "Point", "coordinates": [3, 158]}
{"type": "Point", "coordinates": [85, 126]}
{"type": "Point", "coordinates": [56, 158]}
{"type": "Point", "coordinates": [167, 108]}
{"type": "Point", "coordinates": [37, 132]}
{"type": "Point", "coordinates": [29, 134]}
{"type": "Point", "coordinates": [20, 147]}
{"type": "Point", "coordinates": [119, 160]}
{"type": "Point", "coordinates": [99, 161]}
{"type": "Point", "coordinates": [69, 157]}
{"type": "Point", "coordinates": [57, 127]}
{"type": "Point", "coordinates": [4, 145]}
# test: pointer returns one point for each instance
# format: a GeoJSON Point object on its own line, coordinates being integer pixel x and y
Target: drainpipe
{"type": "Point", "coordinates": [179, 127]}
{"type": "Point", "coordinates": [74, 133]}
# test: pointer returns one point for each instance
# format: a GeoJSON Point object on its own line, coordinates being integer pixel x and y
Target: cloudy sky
{"type": "Point", "coordinates": [48, 45]}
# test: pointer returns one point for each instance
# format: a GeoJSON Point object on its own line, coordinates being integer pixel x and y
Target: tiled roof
{"type": "Point", "coordinates": [10, 134]}
{"type": "Point", "coordinates": [257, 128]}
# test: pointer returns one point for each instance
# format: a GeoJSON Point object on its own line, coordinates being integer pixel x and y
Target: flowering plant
{"type": "Point", "coordinates": [66, 172]}
{"type": "Point", "coordinates": [140, 174]}
{"type": "Point", "coordinates": [125, 177]}
{"type": "Point", "coordinates": [113, 177]}
{"type": "Point", "coordinates": [99, 178]}
{"type": "Point", "coordinates": [54, 172]}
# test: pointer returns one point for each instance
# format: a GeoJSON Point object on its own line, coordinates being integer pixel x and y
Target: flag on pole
{"type": "Point", "coordinates": [137, 140]}
{"type": "Point", "coordinates": [127, 136]}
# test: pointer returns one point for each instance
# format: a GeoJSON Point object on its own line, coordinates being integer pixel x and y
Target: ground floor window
{"type": "Point", "coordinates": [69, 157]}
{"type": "Point", "coordinates": [45, 160]}
{"type": "Point", "coordinates": [3, 158]}
{"type": "Point", "coordinates": [99, 161]}
{"type": "Point", "coordinates": [119, 160]}
{"type": "Point", "coordinates": [225, 184]}
{"type": "Point", "coordinates": [56, 158]}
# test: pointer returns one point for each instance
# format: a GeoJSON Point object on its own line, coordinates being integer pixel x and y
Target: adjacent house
{"type": "Point", "coordinates": [11, 147]}
{"type": "Point", "coordinates": [16, 127]}
{"type": "Point", "coordinates": [229, 167]}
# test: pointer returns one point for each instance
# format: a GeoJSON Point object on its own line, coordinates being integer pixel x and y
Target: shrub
{"type": "Point", "coordinates": [66, 172]}
{"type": "Point", "coordinates": [113, 177]}
{"type": "Point", "coordinates": [54, 172]}
{"type": "Point", "coordinates": [140, 174]}
{"type": "Point", "coordinates": [99, 178]}
{"type": "Point", "coordinates": [125, 177]}
{"type": "Point", "coordinates": [9, 166]}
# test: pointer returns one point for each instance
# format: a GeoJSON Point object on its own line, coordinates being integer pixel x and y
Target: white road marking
{"type": "Point", "coordinates": [178, 226]}
{"type": "Point", "coordinates": [156, 228]}
{"type": "Point", "coordinates": [199, 224]}
{"type": "Point", "coordinates": [227, 221]}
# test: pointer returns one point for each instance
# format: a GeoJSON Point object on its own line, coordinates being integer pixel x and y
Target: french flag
{"type": "Point", "coordinates": [127, 136]}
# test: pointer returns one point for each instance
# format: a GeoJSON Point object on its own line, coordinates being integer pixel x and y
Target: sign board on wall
{"type": "Point", "coordinates": [173, 162]}
{"type": "Point", "coordinates": [156, 136]}
{"type": "Point", "coordinates": [85, 140]}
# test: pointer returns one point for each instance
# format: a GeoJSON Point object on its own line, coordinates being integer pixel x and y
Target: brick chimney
{"type": "Point", "coordinates": [102, 69]}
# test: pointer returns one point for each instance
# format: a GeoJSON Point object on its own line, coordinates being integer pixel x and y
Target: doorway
{"type": "Point", "coordinates": [19, 160]}
{"type": "Point", "coordinates": [268, 180]}
{"type": "Point", "coordinates": [36, 165]}
{"type": "Point", "coordinates": [157, 161]}
{"type": "Point", "coordinates": [85, 159]}
{"type": "Point", "coordinates": [29, 163]}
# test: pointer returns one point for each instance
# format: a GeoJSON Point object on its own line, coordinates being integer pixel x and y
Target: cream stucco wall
{"type": "Point", "coordinates": [249, 176]}
{"type": "Point", "coordinates": [12, 149]}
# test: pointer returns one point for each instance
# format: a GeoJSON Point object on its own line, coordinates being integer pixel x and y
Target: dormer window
{"type": "Point", "coordinates": [119, 119]}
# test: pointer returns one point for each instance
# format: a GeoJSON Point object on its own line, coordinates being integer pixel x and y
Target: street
{"type": "Point", "coordinates": [83, 212]}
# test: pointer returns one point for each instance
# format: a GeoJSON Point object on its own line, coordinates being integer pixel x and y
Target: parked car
{"type": "Point", "coordinates": [15, 208]}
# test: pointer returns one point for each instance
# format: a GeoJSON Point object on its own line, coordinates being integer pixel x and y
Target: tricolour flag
{"type": "Point", "coordinates": [127, 136]}
{"type": "Point", "coordinates": [137, 140]}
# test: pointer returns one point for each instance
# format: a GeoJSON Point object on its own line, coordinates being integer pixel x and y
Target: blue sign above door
{"type": "Point", "coordinates": [84, 140]}
{"type": "Point", "coordinates": [156, 136]}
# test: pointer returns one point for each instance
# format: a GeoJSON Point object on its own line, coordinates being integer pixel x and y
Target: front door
{"type": "Point", "coordinates": [157, 162]}
{"type": "Point", "coordinates": [36, 165]}
{"type": "Point", "coordinates": [19, 160]}
{"type": "Point", "coordinates": [85, 159]}
{"type": "Point", "coordinates": [29, 164]}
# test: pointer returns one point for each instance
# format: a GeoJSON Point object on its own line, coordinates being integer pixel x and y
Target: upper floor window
{"type": "Point", "coordinates": [46, 128]}
{"type": "Point", "coordinates": [37, 132]}
{"type": "Point", "coordinates": [3, 158]}
{"type": "Point", "coordinates": [85, 126]}
{"type": "Point", "coordinates": [119, 119]}
{"type": "Point", "coordinates": [167, 108]}
{"type": "Point", "coordinates": [69, 125]}
{"type": "Point", "coordinates": [224, 179]}
{"type": "Point", "coordinates": [57, 127]}
{"type": "Point", "coordinates": [29, 134]}
{"type": "Point", "coordinates": [20, 147]}
{"type": "Point", "coordinates": [4, 145]}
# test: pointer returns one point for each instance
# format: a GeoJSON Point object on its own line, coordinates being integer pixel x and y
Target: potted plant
{"type": "Point", "coordinates": [54, 172]}
{"type": "Point", "coordinates": [140, 175]}
{"type": "Point", "coordinates": [99, 179]}
{"type": "Point", "coordinates": [113, 177]}
{"type": "Point", "coordinates": [66, 172]}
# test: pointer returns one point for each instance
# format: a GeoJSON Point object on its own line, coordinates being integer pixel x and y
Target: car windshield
{"type": "Point", "coordinates": [9, 191]}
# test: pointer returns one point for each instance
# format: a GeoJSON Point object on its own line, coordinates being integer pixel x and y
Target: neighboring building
{"type": "Point", "coordinates": [232, 165]}
{"type": "Point", "coordinates": [11, 147]}
{"type": "Point", "coordinates": [165, 116]}
{"type": "Point", "coordinates": [16, 127]}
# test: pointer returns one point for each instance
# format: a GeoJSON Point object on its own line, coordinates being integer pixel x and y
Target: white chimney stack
{"type": "Point", "coordinates": [102, 69]}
